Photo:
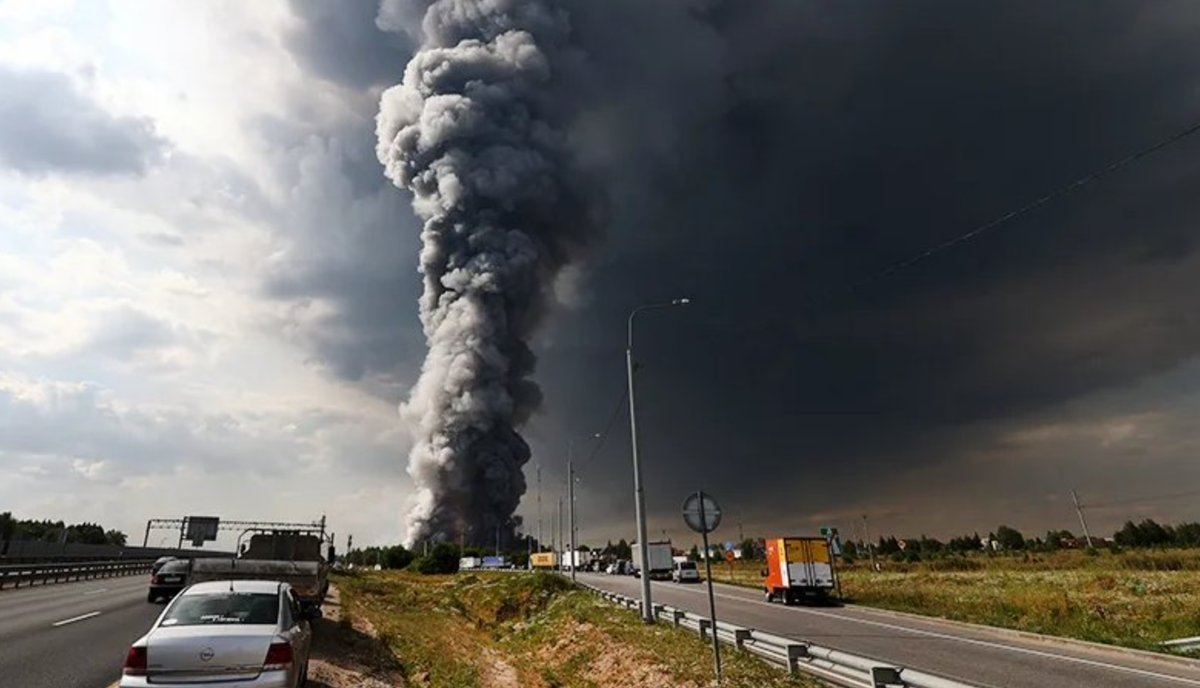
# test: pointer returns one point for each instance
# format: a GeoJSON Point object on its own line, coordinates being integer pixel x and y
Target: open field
{"type": "Point", "coordinates": [535, 630]}
{"type": "Point", "coordinates": [1133, 599]}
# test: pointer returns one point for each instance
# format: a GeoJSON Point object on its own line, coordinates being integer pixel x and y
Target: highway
{"type": "Point", "coordinates": [71, 635]}
{"type": "Point", "coordinates": [976, 655]}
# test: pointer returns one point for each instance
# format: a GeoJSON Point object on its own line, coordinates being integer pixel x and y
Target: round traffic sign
{"type": "Point", "coordinates": [729, 556]}
{"type": "Point", "coordinates": [701, 512]}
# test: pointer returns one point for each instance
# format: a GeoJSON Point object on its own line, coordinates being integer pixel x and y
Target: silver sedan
{"type": "Point", "coordinates": [243, 634]}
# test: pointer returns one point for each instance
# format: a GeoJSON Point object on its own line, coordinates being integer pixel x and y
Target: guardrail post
{"type": "Point", "coordinates": [740, 636]}
{"type": "Point", "coordinates": [796, 653]}
{"type": "Point", "coordinates": [886, 677]}
{"type": "Point", "coordinates": [677, 617]}
{"type": "Point", "coordinates": [705, 624]}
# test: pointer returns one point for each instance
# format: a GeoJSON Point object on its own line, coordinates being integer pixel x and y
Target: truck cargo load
{"type": "Point", "coordinates": [661, 562]}
{"type": "Point", "coordinates": [799, 568]}
{"type": "Point", "coordinates": [288, 555]}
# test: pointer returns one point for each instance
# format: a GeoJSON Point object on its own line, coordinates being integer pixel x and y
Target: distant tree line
{"type": "Point", "coordinates": [1147, 533]}
{"type": "Point", "coordinates": [1150, 533]}
{"type": "Point", "coordinates": [437, 558]}
{"type": "Point", "coordinates": [55, 531]}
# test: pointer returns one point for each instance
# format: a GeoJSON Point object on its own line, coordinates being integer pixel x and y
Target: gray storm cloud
{"type": "Point", "coordinates": [475, 134]}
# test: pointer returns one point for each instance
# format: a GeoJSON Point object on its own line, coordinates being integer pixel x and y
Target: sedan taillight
{"type": "Point", "coordinates": [135, 662]}
{"type": "Point", "coordinates": [155, 580]}
{"type": "Point", "coordinates": [279, 657]}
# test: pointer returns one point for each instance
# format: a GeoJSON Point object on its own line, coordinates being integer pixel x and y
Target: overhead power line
{"type": "Point", "coordinates": [612, 420]}
{"type": "Point", "coordinates": [1076, 185]}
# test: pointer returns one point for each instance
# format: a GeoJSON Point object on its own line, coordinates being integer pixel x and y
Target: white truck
{"type": "Point", "coordinates": [578, 559]}
{"type": "Point", "coordinates": [288, 555]}
{"type": "Point", "coordinates": [661, 561]}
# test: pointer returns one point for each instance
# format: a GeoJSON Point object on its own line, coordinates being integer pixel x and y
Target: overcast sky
{"type": "Point", "coordinates": [208, 288]}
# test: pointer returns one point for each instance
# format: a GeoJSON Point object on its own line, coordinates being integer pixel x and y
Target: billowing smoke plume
{"type": "Point", "coordinates": [474, 133]}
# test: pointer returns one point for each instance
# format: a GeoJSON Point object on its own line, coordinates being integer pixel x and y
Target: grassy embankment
{"type": "Point", "coordinates": [531, 630]}
{"type": "Point", "coordinates": [1134, 599]}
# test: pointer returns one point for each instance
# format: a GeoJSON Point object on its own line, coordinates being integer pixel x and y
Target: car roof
{"type": "Point", "coordinates": [244, 586]}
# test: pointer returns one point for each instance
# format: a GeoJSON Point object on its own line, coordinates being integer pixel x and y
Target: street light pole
{"type": "Point", "coordinates": [539, 504]}
{"type": "Point", "coordinates": [639, 497]}
{"type": "Point", "coordinates": [571, 503]}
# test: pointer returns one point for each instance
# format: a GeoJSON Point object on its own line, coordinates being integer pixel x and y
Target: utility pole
{"type": "Point", "coordinates": [639, 494]}
{"type": "Point", "coordinates": [539, 504]}
{"type": "Point", "coordinates": [571, 502]}
{"type": "Point", "coordinates": [497, 539]}
{"type": "Point", "coordinates": [560, 534]}
{"type": "Point", "coordinates": [870, 545]}
{"type": "Point", "coordinates": [1082, 519]}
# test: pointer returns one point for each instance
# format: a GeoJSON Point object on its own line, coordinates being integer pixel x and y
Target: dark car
{"type": "Point", "coordinates": [158, 563]}
{"type": "Point", "coordinates": [169, 580]}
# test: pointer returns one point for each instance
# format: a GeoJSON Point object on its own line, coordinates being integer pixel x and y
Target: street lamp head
{"type": "Point", "coordinates": [681, 302]}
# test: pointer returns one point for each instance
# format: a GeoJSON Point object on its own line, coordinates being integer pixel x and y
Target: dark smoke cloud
{"type": "Point", "coordinates": [474, 134]}
{"type": "Point", "coordinates": [759, 152]}
{"type": "Point", "coordinates": [767, 152]}
{"type": "Point", "coordinates": [340, 41]}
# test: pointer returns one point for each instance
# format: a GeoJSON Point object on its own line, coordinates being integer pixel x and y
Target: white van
{"type": "Point", "coordinates": [685, 572]}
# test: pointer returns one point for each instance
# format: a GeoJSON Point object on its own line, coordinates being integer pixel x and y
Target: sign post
{"type": "Point", "coordinates": [702, 514]}
{"type": "Point", "coordinates": [201, 529]}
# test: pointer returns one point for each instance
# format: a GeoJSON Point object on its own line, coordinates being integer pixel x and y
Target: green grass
{"type": "Point", "coordinates": [1133, 599]}
{"type": "Point", "coordinates": [533, 630]}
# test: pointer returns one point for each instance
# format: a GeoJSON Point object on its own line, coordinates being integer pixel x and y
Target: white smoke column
{"type": "Point", "coordinates": [474, 133]}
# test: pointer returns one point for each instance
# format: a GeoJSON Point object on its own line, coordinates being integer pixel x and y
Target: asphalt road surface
{"type": "Point", "coordinates": [976, 655]}
{"type": "Point", "coordinates": [71, 635]}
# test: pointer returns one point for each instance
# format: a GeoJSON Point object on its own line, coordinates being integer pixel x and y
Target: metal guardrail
{"type": "Point", "coordinates": [1182, 645]}
{"type": "Point", "coordinates": [833, 666]}
{"type": "Point", "coordinates": [32, 574]}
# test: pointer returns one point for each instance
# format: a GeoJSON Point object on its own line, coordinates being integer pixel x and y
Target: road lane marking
{"type": "Point", "coordinates": [983, 643]}
{"type": "Point", "coordinates": [81, 617]}
{"type": "Point", "coordinates": [95, 592]}
{"type": "Point", "coordinates": [970, 641]}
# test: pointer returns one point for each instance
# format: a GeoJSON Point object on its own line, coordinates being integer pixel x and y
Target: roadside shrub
{"type": "Point", "coordinates": [442, 559]}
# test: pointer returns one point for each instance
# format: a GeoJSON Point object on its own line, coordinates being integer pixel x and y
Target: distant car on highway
{"type": "Point", "coordinates": [243, 634]}
{"type": "Point", "coordinates": [169, 579]}
{"type": "Point", "coordinates": [685, 572]}
{"type": "Point", "coordinates": [158, 563]}
{"type": "Point", "coordinates": [621, 567]}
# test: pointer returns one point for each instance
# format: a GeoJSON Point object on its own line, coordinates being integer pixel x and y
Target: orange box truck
{"type": "Point", "coordinates": [798, 568]}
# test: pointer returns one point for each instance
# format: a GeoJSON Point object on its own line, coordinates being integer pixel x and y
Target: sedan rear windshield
{"type": "Point", "coordinates": [175, 567]}
{"type": "Point", "coordinates": [224, 608]}
{"type": "Point", "coordinates": [687, 566]}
